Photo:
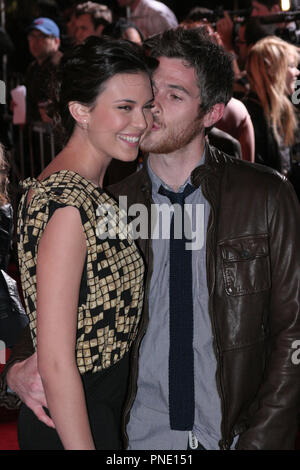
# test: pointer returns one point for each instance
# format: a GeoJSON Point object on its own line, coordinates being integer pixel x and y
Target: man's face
{"type": "Point", "coordinates": [71, 26]}
{"type": "Point", "coordinates": [41, 45]}
{"type": "Point", "coordinates": [176, 114]}
{"type": "Point", "coordinates": [84, 28]}
{"type": "Point", "coordinates": [258, 9]}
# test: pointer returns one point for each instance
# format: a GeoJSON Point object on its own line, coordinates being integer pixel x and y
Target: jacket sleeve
{"type": "Point", "coordinates": [21, 351]}
{"type": "Point", "coordinates": [274, 424]}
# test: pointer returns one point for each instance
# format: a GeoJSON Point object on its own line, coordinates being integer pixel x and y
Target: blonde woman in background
{"type": "Point", "coordinates": [272, 72]}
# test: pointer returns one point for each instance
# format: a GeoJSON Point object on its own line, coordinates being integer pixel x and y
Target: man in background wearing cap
{"type": "Point", "coordinates": [44, 41]}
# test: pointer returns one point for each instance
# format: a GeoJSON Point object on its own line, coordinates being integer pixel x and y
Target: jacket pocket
{"type": "Point", "coordinates": [246, 264]}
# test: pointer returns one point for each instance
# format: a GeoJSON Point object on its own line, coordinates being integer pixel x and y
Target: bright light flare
{"type": "Point", "coordinates": [285, 5]}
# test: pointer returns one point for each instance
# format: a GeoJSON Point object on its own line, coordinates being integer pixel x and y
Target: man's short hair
{"type": "Point", "coordinates": [212, 64]}
{"type": "Point", "coordinates": [100, 14]}
{"type": "Point", "coordinates": [198, 14]}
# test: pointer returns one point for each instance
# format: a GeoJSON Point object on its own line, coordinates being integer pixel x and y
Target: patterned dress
{"type": "Point", "coordinates": [110, 298]}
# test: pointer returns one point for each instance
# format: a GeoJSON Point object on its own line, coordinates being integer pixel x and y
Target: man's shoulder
{"type": "Point", "coordinates": [131, 185]}
{"type": "Point", "coordinates": [158, 8]}
{"type": "Point", "coordinates": [243, 176]}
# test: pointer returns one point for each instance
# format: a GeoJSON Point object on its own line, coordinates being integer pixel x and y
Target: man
{"type": "Point", "coordinates": [44, 42]}
{"type": "Point", "coordinates": [262, 8]}
{"type": "Point", "coordinates": [230, 379]}
{"type": "Point", "coordinates": [265, 7]}
{"type": "Point", "coordinates": [150, 16]}
{"type": "Point", "coordinates": [90, 20]}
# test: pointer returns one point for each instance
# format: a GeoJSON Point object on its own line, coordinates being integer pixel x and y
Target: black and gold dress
{"type": "Point", "coordinates": [110, 300]}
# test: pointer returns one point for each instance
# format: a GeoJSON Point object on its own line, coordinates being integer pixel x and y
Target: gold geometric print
{"type": "Point", "coordinates": [111, 291]}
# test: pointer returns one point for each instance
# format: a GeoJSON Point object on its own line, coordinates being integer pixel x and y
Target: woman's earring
{"type": "Point", "coordinates": [85, 125]}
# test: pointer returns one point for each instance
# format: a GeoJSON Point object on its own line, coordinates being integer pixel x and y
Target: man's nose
{"type": "Point", "coordinates": [156, 107]}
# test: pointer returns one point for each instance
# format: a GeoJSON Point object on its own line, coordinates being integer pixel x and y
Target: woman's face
{"type": "Point", "coordinates": [291, 75]}
{"type": "Point", "coordinates": [121, 116]}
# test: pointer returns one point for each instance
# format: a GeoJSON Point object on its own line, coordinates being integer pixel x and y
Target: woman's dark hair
{"type": "Point", "coordinates": [84, 70]}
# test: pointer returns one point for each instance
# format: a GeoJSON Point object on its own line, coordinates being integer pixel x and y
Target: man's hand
{"type": "Point", "coordinates": [23, 378]}
{"type": "Point", "coordinates": [225, 30]}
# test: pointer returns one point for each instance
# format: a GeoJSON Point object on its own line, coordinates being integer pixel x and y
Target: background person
{"type": "Point", "coordinates": [90, 20]}
{"type": "Point", "coordinates": [272, 73]}
{"type": "Point", "coordinates": [6, 214]}
{"type": "Point", "coordinates": [150, 16]}
{"type": "Point", "coordinates": [123, 28]}
{"type": "Point", "coordinates": [44, 42]}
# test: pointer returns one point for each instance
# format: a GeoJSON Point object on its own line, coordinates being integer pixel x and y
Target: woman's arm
{"type": "Point", "coordinates": [247, 138]}
{"type": "Point", "coordinates": [60, 262]}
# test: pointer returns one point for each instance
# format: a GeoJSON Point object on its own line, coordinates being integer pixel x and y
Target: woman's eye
{"type": "Point", "coordinates": [149, 106]}
{"type": "Point", "coordinates": [125, 107]}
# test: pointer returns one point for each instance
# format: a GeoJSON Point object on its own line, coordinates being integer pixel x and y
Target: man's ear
{"type": "Point", "coordinates": [214, 115]}
{"type": "Point", "coordinates": [79, 112]}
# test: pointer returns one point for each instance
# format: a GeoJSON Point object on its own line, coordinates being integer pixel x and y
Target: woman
{"type": "Point", "coordinates": [84, 291]}
{"type": "Point", "coordinates": [6, 214]}
{"type": "Point", "coordinates": [272, 72]}
{"type": "Point", "coordinates": [121, 29]}
{"type": "Point", "coordinates": [12, 315]}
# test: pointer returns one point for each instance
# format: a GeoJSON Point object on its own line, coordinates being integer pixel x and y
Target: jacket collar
{"type": "Point", "coordinates": [214, 159]}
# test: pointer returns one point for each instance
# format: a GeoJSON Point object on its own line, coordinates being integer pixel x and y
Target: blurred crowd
{"type": "Point", "coordinates": [260, 122]}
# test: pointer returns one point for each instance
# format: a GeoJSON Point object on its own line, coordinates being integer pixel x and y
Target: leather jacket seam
{"type": "Point", "coordinates": [245, 345]}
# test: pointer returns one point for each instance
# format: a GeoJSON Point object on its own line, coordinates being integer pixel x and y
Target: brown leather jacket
{"type": "Point", "coordinates": [253, 253]}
